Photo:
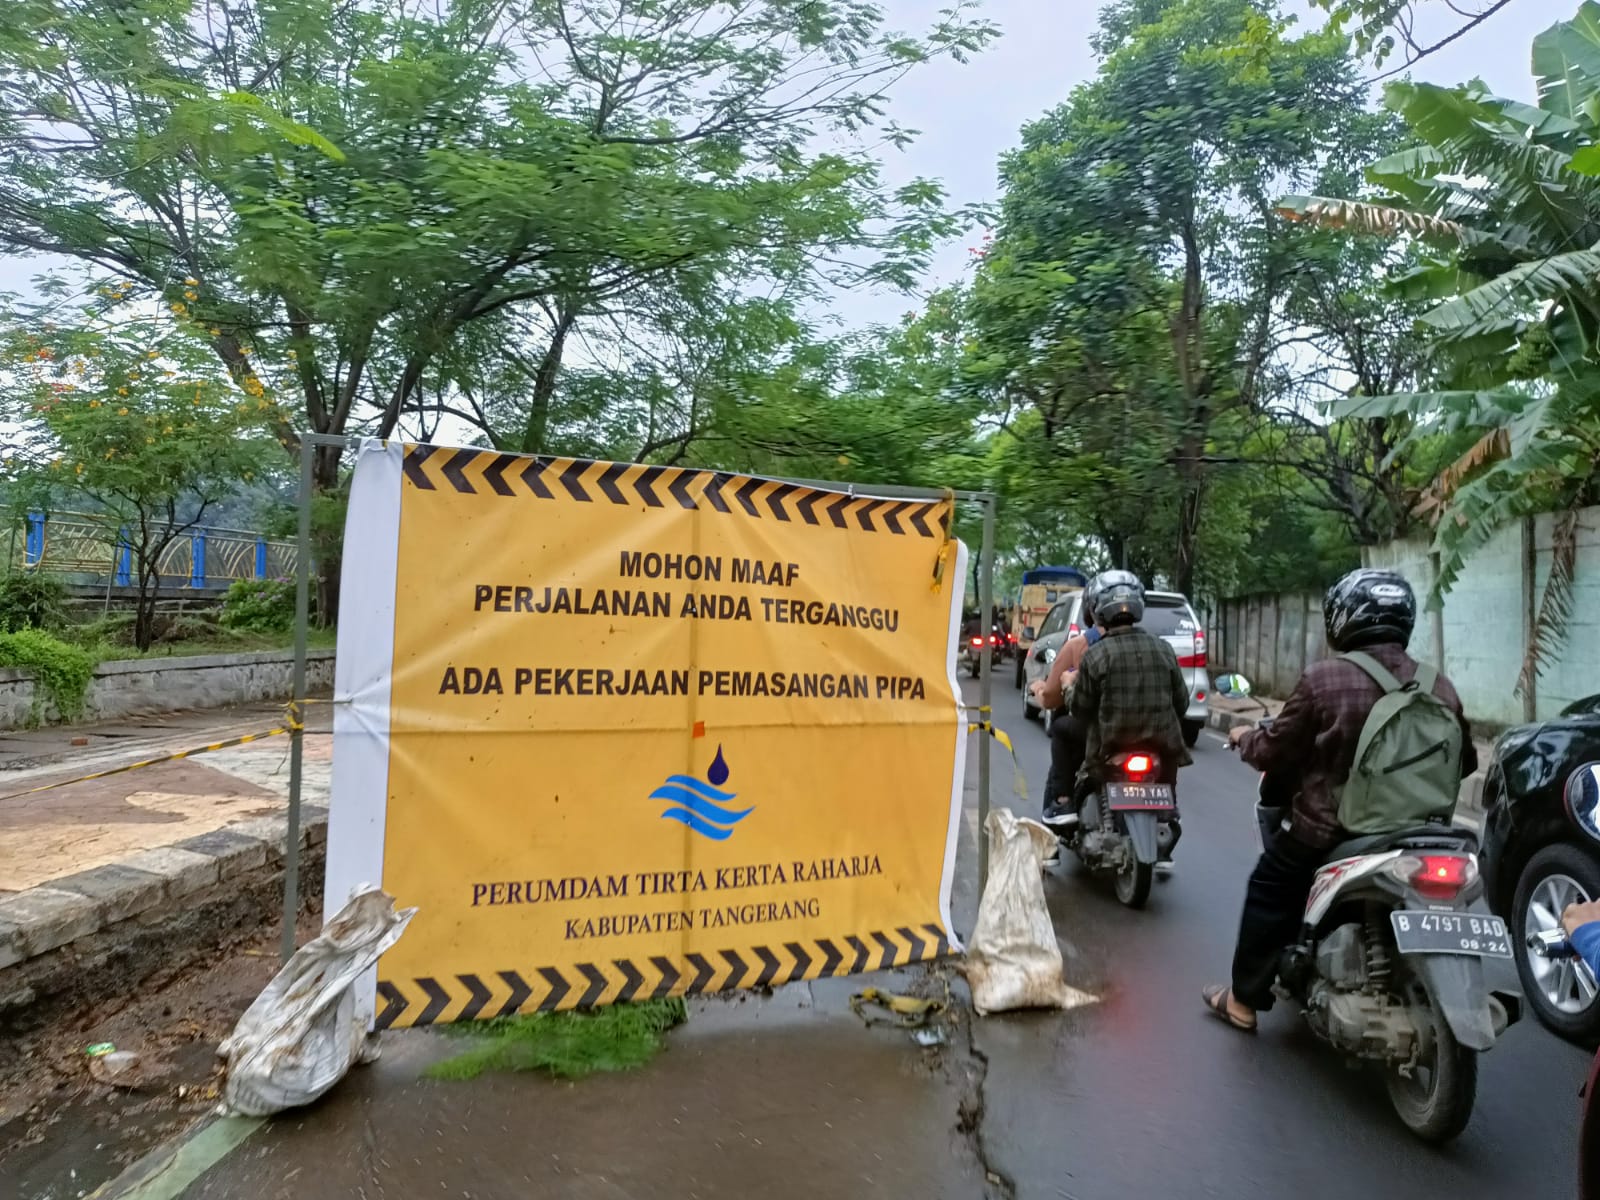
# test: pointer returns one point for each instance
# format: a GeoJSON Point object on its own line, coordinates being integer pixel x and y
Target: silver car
{"type": "Point", "coordinates": [1166, 614]}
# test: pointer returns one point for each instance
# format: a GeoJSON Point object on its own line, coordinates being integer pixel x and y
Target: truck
{"type": "Point", "coordinates": [1042, 589]}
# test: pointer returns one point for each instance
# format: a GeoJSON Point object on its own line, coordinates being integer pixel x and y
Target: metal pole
{"type": "Point", "coordinates": [985, 687]}
{"type": "Point", "coordinates": [302, 607]}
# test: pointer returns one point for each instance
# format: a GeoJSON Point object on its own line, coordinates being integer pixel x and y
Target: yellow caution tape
{"type": "Point", "coordinates": [946, 545]}
{"type": "Point", "coordinates": [909, 1011]}
{"type": "Point", "coordinates": [1019, 781]}
{"type": "Point", "coordinates": [293, 722]}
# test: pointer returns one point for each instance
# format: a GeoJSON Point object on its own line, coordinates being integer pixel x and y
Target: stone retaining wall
{"type": "Point", "coordinates": [140, 686]}
{"type": "Point", "coordinates": [85, 938]}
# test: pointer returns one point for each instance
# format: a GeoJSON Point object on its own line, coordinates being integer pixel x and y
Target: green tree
{"type": "Point", "coordinates": [351, 188]}
{"type": "Point", "coordinates": [1381, 28]}
{"type": "Point", "coordinates": [139, 420]}
{"type": "Point", "coordinates": [1139, 270]}
{"type": "Point", "coordinates": [1505, 197]}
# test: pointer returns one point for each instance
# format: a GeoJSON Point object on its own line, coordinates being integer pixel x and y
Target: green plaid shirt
{"type": "Point", "coordinates": [1131, 693]}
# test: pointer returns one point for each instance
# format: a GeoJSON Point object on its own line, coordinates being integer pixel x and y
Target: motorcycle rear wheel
{"type": "Point", "coordinates": [1436, 1103]}
{"type": "Point", "coordinates": [1132, 883]}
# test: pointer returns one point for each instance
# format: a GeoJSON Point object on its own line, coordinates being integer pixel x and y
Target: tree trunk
{"type": "Point", "coordinates": [1189, 507]}
{"type": "Point", "coordinates": [144, 608]}
{"type": "Point", "coordinates": [326, 544]}
{"type": "Point", "coordinates": [544, 386]}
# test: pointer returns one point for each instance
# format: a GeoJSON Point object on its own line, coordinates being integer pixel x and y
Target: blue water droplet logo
{"type": "Point", "coordinates": [700, 804]}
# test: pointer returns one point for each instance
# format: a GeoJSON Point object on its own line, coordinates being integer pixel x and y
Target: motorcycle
{"type": "Point", "coordinates": [1001, 644]}
{"type": "Point", "coordinates": [1390, 963]}
{"type": "Point", "coordinates": [1124, 824]}
{"type": "Point", "coordinates": [1553, 944]}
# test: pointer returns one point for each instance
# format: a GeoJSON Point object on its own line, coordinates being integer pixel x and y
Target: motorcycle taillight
{"type": "Point", "coordinates": [1437, 876]}
{"type": "Point", "coordinates": [1137, 766]}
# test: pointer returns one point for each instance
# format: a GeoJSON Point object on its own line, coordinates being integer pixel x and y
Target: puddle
{"type": "Point", "coordinates": [83, 1144]}
{"type": "Point", "coordinates": [65, 1149]}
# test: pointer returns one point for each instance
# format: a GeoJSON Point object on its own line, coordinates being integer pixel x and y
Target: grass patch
{"type": "Point", "coordinates": [61, 672]}
{"type": "Point", "coordinates": [210, 641]}
{"type": "Point", "coordinates": [224, 642]}
{"type": "Point", "coordinates": [567, 1045]}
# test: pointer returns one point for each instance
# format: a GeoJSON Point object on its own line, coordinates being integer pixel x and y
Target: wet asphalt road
{"type": "Point", "coordinates": [1143, 1095]}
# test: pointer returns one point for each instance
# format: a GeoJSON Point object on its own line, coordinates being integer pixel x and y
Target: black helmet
{"type": "Point", "coordinates": [1367, 607]}
{"type": "Point", "coordinates": [1114, 598]}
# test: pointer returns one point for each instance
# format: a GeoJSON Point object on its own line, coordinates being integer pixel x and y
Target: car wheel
{"type": "Point", "coordinates": [1191, 733]}
{"type": "Point", "coordinates": [973, 667]}
{"type": "Point", "coordinates": [1562, 993]}
{"type": "Point", "coordinates": [1030, 711]}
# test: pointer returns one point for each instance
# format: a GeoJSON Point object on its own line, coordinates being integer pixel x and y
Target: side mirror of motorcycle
{"type": "Point", "coordinates": [1232, 685]}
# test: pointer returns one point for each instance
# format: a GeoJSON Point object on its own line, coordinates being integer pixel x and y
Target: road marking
{"type": "Point", "coordinates": [166, 1172]}
{"type": "Point", "coordinates": [1217, 737]}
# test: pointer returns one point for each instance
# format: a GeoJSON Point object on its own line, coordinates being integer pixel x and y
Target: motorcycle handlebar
{"type": "Point", "coordinates": [1552, 944]}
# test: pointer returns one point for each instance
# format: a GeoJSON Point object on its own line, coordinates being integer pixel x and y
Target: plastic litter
{"type": "Point", "coordinates": [1013, 960]}
{"type": "Point", "coordinates": [301, 1035]}
{"type": "Point", "coordinates": [909, 1011]}
{"type": "Point", "coordinates": [118, 1068]}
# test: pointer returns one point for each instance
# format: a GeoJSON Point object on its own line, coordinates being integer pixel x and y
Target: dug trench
{"type": "Point", "coordinates": [62, 1134]}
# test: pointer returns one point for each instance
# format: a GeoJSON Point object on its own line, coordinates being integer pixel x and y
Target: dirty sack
{"type": "Point", "coordinates": [1013, 960]}
{"type": "Point", "coordinates": [301, 1035]}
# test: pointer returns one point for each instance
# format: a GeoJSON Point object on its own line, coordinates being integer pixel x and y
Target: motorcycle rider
{"type": "Point", "coordinates": [1068, 737]}
{"type": "Point", "coordinates": [1582, 925]}
{"type": "Point", "coordinates": [1314, 740]}
{"type": "Point", "coordinates": [1129, 692]}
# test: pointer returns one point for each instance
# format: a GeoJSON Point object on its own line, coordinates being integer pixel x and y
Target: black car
{"type": "Point", "coordinates": [1541, 852]}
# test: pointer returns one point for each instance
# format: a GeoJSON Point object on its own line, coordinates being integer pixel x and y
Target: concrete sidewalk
{"type": "Point", "coordinates": [785, 1095]}
{"type": "Point", "coordinates": [46, 835]}
{"type": "Point", "coordinates": [108, 882]}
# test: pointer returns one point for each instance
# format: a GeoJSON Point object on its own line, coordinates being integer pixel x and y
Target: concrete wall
{"type": "Point", "coordinates": [1268, 639]}
{"type": "Point", "coordinates": [1479, 633]}
{"type": "Point", "coordinates": [1486, 615]}
{"type": "Point", "coordinates": [152, 685]}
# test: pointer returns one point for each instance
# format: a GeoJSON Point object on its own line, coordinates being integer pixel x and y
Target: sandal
{"type": "Point", "coordinates": [1216, 999]}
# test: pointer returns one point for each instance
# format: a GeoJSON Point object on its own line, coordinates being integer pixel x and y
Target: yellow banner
{"type": "Point", "coordinates": [641, 731]}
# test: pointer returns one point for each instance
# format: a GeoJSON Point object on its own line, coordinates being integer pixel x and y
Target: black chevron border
{"type": "Point", "coordinates": [442, 999]}
{"type": "Point", "coordinates": [580, 480]}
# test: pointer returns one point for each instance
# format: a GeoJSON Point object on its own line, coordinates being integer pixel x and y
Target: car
{"type": "Point", "coordinates": [1046, 642]}
{"type": "Point", "coordinates": [1541, 852]}
{"type": "Point", "coordinates": [1166, 614]}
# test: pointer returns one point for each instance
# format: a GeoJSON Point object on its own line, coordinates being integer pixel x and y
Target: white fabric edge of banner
{"type": "Point", "coordinates": [956, 581]}
{"type": "Point", "coordinates": [363, 669]}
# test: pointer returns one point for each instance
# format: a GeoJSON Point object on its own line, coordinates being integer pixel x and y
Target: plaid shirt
{"type": "Point", "coordinates": [1131, 693]}
{"type": "Point", "coordinates": [1315, 735]}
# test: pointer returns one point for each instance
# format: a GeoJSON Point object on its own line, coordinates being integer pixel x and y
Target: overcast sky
{"type": "Point", "coordinates": [970, 114]}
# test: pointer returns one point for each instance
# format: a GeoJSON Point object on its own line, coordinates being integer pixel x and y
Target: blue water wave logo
{"type": "Point", "coordinates": [700, 803]}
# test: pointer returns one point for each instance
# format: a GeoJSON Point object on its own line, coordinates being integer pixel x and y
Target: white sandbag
{"type": "Point", "coordinates": [301, 1034]}
{"type": "Point", "coordinates": [1014, 961]}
